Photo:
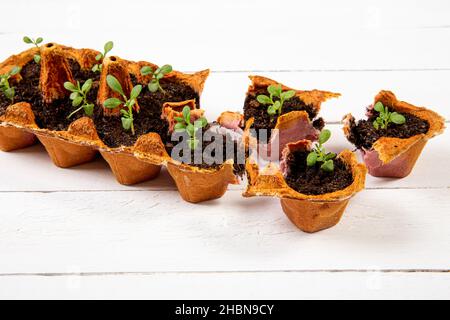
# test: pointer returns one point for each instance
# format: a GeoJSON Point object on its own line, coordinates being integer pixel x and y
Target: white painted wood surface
{"type": "Point", "coordinates": [76, 233]}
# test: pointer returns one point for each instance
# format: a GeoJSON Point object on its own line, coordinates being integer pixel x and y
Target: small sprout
{"type": "Point", "coordinates": [107, 48]}
{"type": "Point", "coordinates": [157, 75]}
{"type": "Point", "coordinates": [79, 97]}
{"type": "Point", "coordinates": [112, 103]}
{"type": "Point", "coordinates": [275, 91]}
{"type": "Point", "coordinates": [385, 117]}
{"type": "Point", "coordinates": [184, 124]}
{"type": "Point", "coordinates": [36, 43]}
{"type": "Point", "coordinates": [320, 155]}
{"type": "Point", "coordinates": [5, 86]}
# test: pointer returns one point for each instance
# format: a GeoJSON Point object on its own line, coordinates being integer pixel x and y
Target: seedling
{"type": "Point", "coordinates": [275, 91]}
{"type": "Point", "coordinates": [320, 155]}
{"type": "Point", "coordinates": [107, 48]}
{"type": "Point", "coordinates": [385, 117]}
{"type": "Point", "coordinates": [5, 86]}
{"type": "Point", "coordinates": [112, 103]}
{"type": "Point", "coordinates": [35, 42]}
{"type": "Point", "coordinates": [79, 97]}
{"type": "Point", "coordinates": [184, 124]}
{"type": "Point", "coordinates": [157, 75]}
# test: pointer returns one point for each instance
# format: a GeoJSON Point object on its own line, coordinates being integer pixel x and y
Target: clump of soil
{"type": "Point", "coordinates": [51, 116]}
{"type": "Point", "coordinates": [364, 135]}
{"type": "Point", "coordinates": [227, 143]}
{"type": "Point", "coordinates": [313, 180]}
{"type": "Point", "coordinates": [253, 109]}
{"type": "Point", "coordinates": [148, 119]}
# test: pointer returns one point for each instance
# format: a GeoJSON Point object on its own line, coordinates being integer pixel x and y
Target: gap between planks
{"type": "Point", "coordinates": [96, 274]}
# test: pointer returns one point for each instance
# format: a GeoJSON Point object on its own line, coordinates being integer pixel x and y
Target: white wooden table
{"type": "Point", "coordinates": [77, 233]}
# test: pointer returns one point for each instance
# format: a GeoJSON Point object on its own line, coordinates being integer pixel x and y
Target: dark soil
{"type": "Point", "coordinates": [253, 109]}
{"type": "Point", "coordinates": [227, 144]}
{"type": "Point", "coordinates": [364, 135]}
{"type": "Point", "coordinates": [148, 119]}
{"type": "Point", "coordinates": [313, 180]}
{"type": "Point", "coordinates": [51, 116]}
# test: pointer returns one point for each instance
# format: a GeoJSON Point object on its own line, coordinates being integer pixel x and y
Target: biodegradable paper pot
{"type": "Point", "coordinates": [310, 213]}
{"type": "Point", "coordinates": [290, 127]}
{"type": "Point", "coordinates": [313, 216]}
{"type": "Point", "coordinates": [400, 167]}
{"type": "Point", "coordinates": [197, 185]}
{"type": "Point", "coordinates": [396, 157]}
{"type": "Point", "coordinates": [13, 138]}
{"type": "Point", "coordinates": [128, 170]}
{"type": "Point", "coordinates": [80, 142]}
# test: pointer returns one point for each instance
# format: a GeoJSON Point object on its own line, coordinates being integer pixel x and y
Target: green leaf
{"type": "Point", "coordinates": [203, 122]}
{"type": "Point", "coordinates": [179, 119]}
{"type": "Point", "coordinates": [27, 40]}
{"type": "Point", "coordinates": [153, 86]}
{"type": "Point", "coordinates": [324, 136]}
{"type": "Point", "coordinates": [89, 109]}
{"type": "Point", "coordinates": [114, 84]}
{"type": "Point", "coordinates": [39, 40]}
{"type": "Point", "coordinates": [74, 95]}
{"type": "Point", "coordinates": [180, 127]}
{"type": "Point", "coordinates": [193, 143]}
{"type": "Point", "coordinates": [15, 70]}
{"type": "Point", "coordinates": [95, 68]}
{"type": "Point", "coordinates": [288, 94]}
{"type": "Point", "coordinates": [126, 123]}
{"type": "Point", "coordinates": [379, 107]}
{"type": "Point", "coordinates": [87, 85]}
{"type": "Point", "coordinates": [77, 101]}
{"type": "Point", "coordinates": [187, 114]}
{"type": "Point", "coordinates": [159, 76]}
{"type": "Point", "coordinates": [37, 58]}
{"type": "Point", "coordinates": [277, 105]}
{"type": "Point", "coordinates": [273, 90]}
{"type": "Point", "coordinates": [146, 70]}
{"type": "Point", "coordinates": [99, 57]}
{"type": "Point", "coordinates": [124, 113]}
{"type": "Point", "coordinates": [271, 110]}
{"type": "Point", "coordinates": [112, 103]}
{"type": "Point", "coordinates": [165, 69]}
{"type": "Point", "coordinates": [190, 129]}
{"type": "Point", "coordinates": [397, 118]}
{"type": "Point", "coordinates": [327, 166]}
{"type": "Point", "coordinates": [263, 99]}
{"type": "Point", "coordinates": [311, 159]}
{"type": "Point", "coordinates": [70, 86]}
{"type": "Point", "coordinates": [136, 91]}
{"type": "Point", "coordinates": [10, 93]}
{"type": "Point", "coordinates": [108, 46]}
{"type": "Point", "coordinates": [330, 156]}
{"type": "Point", "coordinates": [376, 125]}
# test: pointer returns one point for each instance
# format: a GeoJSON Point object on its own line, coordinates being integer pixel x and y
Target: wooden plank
{"type": "Point", "coordinates": [157, 231]}
{"type": "Point", "coordinates": [31, 170]}
{"type": "Point", "coordinates": [282, 285]}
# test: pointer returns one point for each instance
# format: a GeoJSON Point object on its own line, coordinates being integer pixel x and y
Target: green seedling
{"type": "Point", "coordinates": [5, 86]}
{"type": "Point", "coordinates": [320, 155]}
{"type": "Point", "coordinates": [106, 48]}
{"type": "Point", "coordinates": [112, 103]}
{"type": "Point", "coordinates": [157, 75]}
{"type": "Point", "coordinates": [36, 43]}
{"type": "Point", "coordinates": [184, 124]}
{"type": "Point", "coordinates": [385, 117]}
{"type": "Point", "coordinates": [79, 97]}
{"type": "Point", "coordinates": [275, 91]}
